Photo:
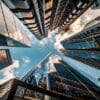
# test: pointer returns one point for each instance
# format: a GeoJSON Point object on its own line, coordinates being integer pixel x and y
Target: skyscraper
{"type": "Point", "coordinates": [54, 78]}
{"type": "Point", "coordinates": [12, 31]}
{"type": "Point", "coordinates": [57, 76]}
{"type": "Point", "coordinates": [63, 80]}
{"type": "Point", "coordinates": [85, 45]}
{"type": "Point", "coordinates": [42, 15]}
{"type": "Point", "coordinates": [5, 58]}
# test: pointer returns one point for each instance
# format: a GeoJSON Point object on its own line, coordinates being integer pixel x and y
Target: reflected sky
{"type": "Point", "coordinates": [91, 73]}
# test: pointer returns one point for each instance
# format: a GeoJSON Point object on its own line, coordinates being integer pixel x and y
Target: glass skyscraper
{"type": "Point", "coordinates": [40, 16]}
{"type": "Point", "coordinates": [85, 45]}
{"type": "Point", "coordinates": [12, 31]}
{"type": "Point", "coordinates": [55, 75]}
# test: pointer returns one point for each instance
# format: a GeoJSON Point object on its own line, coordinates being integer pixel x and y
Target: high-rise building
{"type": "Point", "coordinates": [5, 58]}
{"type": "Point", "coordinates": [63, 80]}
{"type": "Point", "coordinates": [35, 77]}
{"type": "Point", "coordinates": [85, 45]}
{"type": "Point", "coordinates": [52, 79]}
{"type": "Point", "coordinates": [42, 15]}
{"type": "Point", "coordinates": [12, 31]}
{"type": "Point", "coordinates": [57, 76]}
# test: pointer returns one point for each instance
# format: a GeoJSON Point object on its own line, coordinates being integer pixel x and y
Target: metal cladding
{"type": "Point", "coordinates": [42, 15]}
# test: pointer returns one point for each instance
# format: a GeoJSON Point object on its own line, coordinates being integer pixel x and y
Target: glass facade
{"type": "Point", "coordinates": [53, 79]}
{"type": "Point", "coordinates": [85, 45]}
{"type": "Point", "coordinates": [58, 77]}
{"type": "Point", "coordinates": [11, 29]}
{"type": "Point", "coordinates": [48, 14]}
{"type": "Point", "coordinates": [65, 81]}
{"type": "Point", "coordinates": [5, 58]}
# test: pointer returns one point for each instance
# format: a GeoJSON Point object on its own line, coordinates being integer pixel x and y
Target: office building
{"type": "Point", "coordinates": [5, 58]}
{"type": "Point", "coordinates": [58, 77]}
{"type": "Point", "coordinates": [85, 45]}
{"type": "Point", "coordinates": [63, 80]}
{"type": "Point", "coordinates": [12, 31]}
{"type": "Point", "coordinates": [42, 15]}
{"type": "Point", "coordinates": [52, 79]}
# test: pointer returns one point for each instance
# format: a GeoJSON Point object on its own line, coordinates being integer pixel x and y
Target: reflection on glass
{"type": "Point", "coordinates": [12, 28]}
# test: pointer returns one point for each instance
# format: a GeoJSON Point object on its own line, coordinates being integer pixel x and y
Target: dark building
{"type": "Point", "coordinates": [85, 45]}
{"type": "Point", "coordinates": [5, 58]}
{"type": "Point", "coordinates": [65, 81]}
{"type": "Point", "coordinates": [42, 82]}
{"type": "Point", "coordinates": [42, 15]}
{"type": "Point", "coordinates": [32, 78]}
{"type": "Point", "coordinates": [57, 81]}
{"type": "Point", "coordinates": [12, 31]}
{"type": "Point", "coordinates": [29, 77]}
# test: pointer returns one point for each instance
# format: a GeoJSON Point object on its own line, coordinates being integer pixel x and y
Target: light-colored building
{"type": "Point", "coordinates": [12, 31]}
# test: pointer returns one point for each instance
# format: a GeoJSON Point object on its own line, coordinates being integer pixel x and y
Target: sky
{"type": "Point", "coordinates": [24, 59]}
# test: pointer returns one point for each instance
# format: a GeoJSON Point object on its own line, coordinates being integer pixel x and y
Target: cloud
{"type": "Point", "coordinates": [79, 24]}
{"type": "Point", "coordinates": [76, 27]}
{"type": "Point", "coordinates": [58, 46]}
{"type": "Point", "coordinates": [8, 72]}
{"type": "Point", "coordinates": [43, 42]}
{"type": "Point", "coordinates": [26, 59]}
{"type": "Point", "coordinates": [50, 38]}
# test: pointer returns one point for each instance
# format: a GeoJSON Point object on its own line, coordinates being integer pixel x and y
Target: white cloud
{"type": "Point", "coordinates": [50, 38]}
{"type": "Point", "coordinates": [8, 72]}
{"type": "Point", "coordinates": [77, 26]}
{"type": "Point", "coordinates": [43, 42]}
{"type": "Point", "coordinates": [26, 59]}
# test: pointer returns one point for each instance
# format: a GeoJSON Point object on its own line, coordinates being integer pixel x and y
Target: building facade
{"type": "Point", "coordinates": [64, 80]}
{"type": "Point", "coordinates": [58, 77]}
{"type": "Point", "coordinates": [12, 31]}
{"type": "Point", "coordinates": [42, 15]}
{"type": "Point", "coordinates": [5, 58]}
{"type": "Point", "coordinates": [52, 76]}
{"type": "Point", "coordinates": [85, 45]}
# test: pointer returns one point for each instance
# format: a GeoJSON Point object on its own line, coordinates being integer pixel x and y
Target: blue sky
{"type": "Point", "coordinates": [24, 59]}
